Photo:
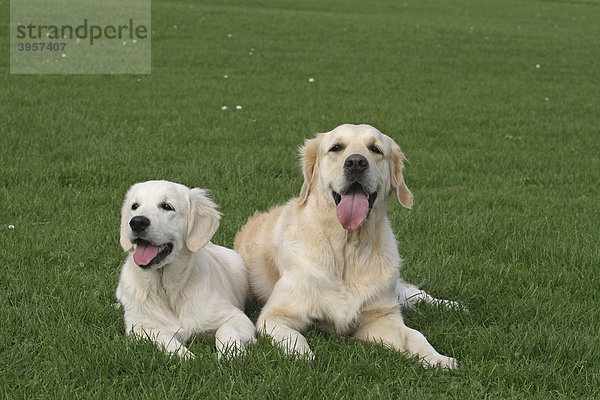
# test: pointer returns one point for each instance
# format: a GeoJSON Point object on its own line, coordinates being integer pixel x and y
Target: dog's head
{"type": "Point", "coordinates": [356, 167]}
{"type": "Point", "coordinates": [160, 218]}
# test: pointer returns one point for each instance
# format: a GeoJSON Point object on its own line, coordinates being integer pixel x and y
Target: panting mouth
{"type": "Point", "coordinates": [353, 206]}
{"type": "Point", "coordinates": [147, 254]}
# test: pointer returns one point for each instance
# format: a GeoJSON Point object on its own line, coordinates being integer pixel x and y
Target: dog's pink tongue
{"type": "Point", "coordinates": [144, 253]}
{"type": "Point", "coordinates": [352, 209]}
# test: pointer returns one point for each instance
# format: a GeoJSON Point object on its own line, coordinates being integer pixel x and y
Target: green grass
{"type": "Point", "coordinates": [506, 190]}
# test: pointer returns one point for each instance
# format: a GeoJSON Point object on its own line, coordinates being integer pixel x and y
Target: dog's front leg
{"type": "Point", "coordinates": [282, 318]}
{"type": "Point", "coordinates": [232, 337]}
{"type": "Point", "coordinates": [288, 339]}
{"type": "Point", "coordinates": [383, 324]}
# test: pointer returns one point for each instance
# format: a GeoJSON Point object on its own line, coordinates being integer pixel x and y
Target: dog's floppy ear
{"type": "Point", "coordinates": [309, 154]}
{"type": "Point", "coordinates": [124, 239]}
{"type": "Point", "coordinates": [203, 219]}
{"type": "Point", "coordinates": [397, 159]}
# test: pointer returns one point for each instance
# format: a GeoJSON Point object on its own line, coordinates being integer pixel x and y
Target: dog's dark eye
{"type": "Point", "coordinates": [135, 206]}
{"type": "Point", "coordinates": [167, 207]}
{"type": "Point", "coordinates": [335, 148]}
{"type": "Point", "coordinates": [375, 149]}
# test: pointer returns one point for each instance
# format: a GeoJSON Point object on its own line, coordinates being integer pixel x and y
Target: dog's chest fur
{"type": "Point", "coordinates": [356, 275]}
{"type": "Point", "coordinates": [180, 295]}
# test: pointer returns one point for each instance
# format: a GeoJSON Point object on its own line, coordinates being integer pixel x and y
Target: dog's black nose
{"type": "Point", "coordinates": [139, 223]}
{"type": "Point", "coordinates": [356, 163]}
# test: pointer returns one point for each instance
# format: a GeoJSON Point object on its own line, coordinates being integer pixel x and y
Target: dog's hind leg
{"type": "Point", "coordinates": [409, 295]}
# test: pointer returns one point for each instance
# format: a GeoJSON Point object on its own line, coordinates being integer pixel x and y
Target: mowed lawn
{"type": "Point", "coordinates": [495, 103]}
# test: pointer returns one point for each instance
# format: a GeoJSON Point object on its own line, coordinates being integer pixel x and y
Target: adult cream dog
{"type": "Point", "coordinates": [330, 256]}
{"type": "Point", "coordinates": [175, 283]}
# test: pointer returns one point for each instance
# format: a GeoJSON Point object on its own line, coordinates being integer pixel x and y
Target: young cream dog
{"type": "Point", "coordinates": [174, 282]}
{"type": "Point", "coordinates": [330, 256]}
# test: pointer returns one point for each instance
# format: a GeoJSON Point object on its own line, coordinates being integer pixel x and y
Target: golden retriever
{"type": "Point", "coordinates": [174, 282]}
{"type": "Point", "coordinates": [330, 256]}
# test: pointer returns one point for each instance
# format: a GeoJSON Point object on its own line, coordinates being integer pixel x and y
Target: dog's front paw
{"type": "Point", "coordinates": [184, 354]}
{"type": "Point", "coordinates": [301, 354]}
{"type": "Point", "coordinates": [299, 348]}
{"type": "Point", "coordinates": [231, 350]}
{"type": "Point", "coordinates": [305, 354]}
{"type": "Point", "coordinates": [440, 361]}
